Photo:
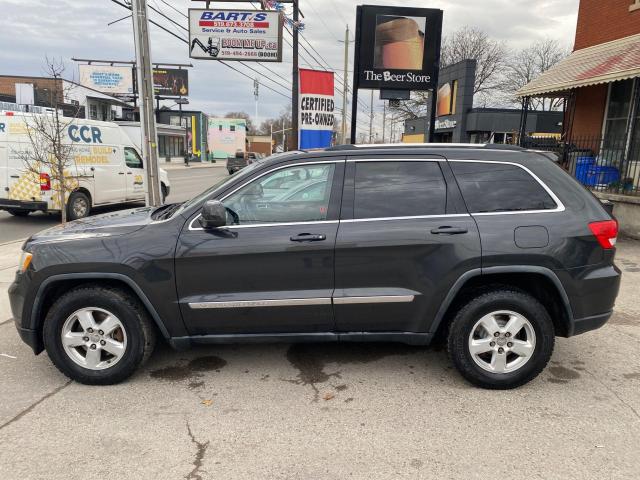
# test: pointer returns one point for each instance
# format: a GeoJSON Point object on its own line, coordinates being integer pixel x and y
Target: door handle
{"type": "Point", "coordinates": [308, 237]}
{"type": "Point", "coordinates": [447, 230]}
{"type": "Point", "coordinates": [120, 173]}
{"type": "Point", "coordinates": [129, 173]}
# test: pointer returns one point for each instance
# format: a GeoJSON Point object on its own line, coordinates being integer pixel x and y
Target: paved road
{"type": "Point", "coordinates": [185, 183]}
{"type": "Point", "coordinates": [327, 411]}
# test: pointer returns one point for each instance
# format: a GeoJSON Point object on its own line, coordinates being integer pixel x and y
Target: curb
{"type": "Point", "coordinates": [182, 166]}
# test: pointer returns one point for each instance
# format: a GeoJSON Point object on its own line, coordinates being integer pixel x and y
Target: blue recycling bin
{"type": "Point", "coordinates": [583, 167]}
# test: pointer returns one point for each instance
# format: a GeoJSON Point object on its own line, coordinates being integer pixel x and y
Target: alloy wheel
{"type": "Point", "coordinates": [502, 341]}
{"type": "Point", "coordinates": [94, 338]}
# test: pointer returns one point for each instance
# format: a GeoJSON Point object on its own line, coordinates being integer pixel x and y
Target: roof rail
{"type": "Point", "coordinates": [492, 146]}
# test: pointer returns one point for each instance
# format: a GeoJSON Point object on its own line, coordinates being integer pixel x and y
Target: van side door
{"type": "Point", "coordinates": [405, 237]}
{"type": "Point", "coordinates": [108, 177]}
{"type": "Point", "coordinates": [134, 172]}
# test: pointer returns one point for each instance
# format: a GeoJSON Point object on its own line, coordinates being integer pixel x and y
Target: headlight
{"type": "Point", "coordinates": [25, 261]}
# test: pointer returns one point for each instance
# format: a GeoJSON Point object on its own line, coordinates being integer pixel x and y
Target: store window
{"type": "Point", "coordinates": [93, 111]}
{"type": "Point", "coordinates": [619, 113]}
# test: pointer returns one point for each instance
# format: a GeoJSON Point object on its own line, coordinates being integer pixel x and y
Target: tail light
{"type": "Point", "coordinates": [45, 182]}
{"type": "Point", "coordinates": [606, 233]}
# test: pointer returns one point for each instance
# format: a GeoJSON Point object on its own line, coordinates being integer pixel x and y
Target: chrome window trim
{"type": "Point", "coordinates": [357, 160]}
{"type": "Point", "coordinates": [320, 162]}
{"type": "Point", "coordinates": [560, 206]}
{"type": "Point", "coordinates": [413, 217]}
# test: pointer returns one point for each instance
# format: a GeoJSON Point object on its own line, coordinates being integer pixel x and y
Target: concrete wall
{"type": "Point", "coordinates": [627, 210]}
{"type": "Point", "coordinates": [601, 21]}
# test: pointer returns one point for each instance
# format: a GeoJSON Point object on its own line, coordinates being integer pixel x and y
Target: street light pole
{"type": "Point", "coordinates": [145, 90]}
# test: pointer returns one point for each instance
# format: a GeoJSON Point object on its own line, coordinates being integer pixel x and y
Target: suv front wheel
{"type": "Point", "coordinates": [98, 335]}
{"type": "Point", "coordinates": [501, 339]}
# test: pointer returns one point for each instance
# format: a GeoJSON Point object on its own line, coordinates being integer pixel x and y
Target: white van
{"type": "Point", "coordinates": [107, 169]}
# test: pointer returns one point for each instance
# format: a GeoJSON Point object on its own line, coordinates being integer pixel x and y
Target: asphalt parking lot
{"type": "Point", "coordinates": [327, 411]}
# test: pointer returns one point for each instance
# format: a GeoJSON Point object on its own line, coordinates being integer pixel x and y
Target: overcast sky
{"type": "Point", "coordinates": [78, 28]}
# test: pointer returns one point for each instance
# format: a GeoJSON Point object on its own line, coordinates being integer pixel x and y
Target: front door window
{"type": "Point", "coordinates": [293, 194]}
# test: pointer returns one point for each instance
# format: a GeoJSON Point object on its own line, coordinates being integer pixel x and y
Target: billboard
{"type": "Point", "coordinates": [316, 119]}
{"type": "Point", "coordinates": [107, 78]}
{"type": "Point", "coordinates": [226, 136]}
{"type": "Point", "coordinates": [170, 82]}
{"type": "Point", "coordinates": [397, 48]}
{"type": "Point", "coordinates": [447, 96]}
{"type": "Point", "coordinates": [248, 35]}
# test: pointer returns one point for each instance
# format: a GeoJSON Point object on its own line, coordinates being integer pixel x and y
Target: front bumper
{"type": "Point", "coordinates": [25, 205]}
{"type": "Point", "coordinates": [17, 295]}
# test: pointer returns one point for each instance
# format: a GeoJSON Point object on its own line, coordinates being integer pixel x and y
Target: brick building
{"type": "Point", "coordinates": [600, 84]}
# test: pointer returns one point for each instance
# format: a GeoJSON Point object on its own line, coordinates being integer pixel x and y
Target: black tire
{"type": "Point", "coordinates": [491, 301]}
{"type": "Point", "coordinates": [163, 192]}
{"type": "Point", "coordinates": [18, 213]}
{"type": "Point", "coordinates": [77, 200]}
{"type": "Point", "coordinates": [140, 332]}
{"type": "Point", "coordinates": [230, 172]}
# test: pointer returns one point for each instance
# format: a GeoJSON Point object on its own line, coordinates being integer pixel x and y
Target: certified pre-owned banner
{"type": "Point", "coordinates": [248, 35]}
{"type": "Point", "coordinates": [316, 118]}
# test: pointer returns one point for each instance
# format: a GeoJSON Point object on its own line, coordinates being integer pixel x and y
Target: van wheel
{"type": "Point", "coordinates": [501, 339]}
{"type": "Point", "coordinates": [18, 213]}
{"type": "Point", "coordinates": [78, 206]}
{"type": "Point", "coordinates": [98, 335]}
{"type": "Point", "coordinates": [230, 172]}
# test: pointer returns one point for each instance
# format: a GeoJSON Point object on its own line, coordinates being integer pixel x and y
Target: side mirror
{"type": "Point", "coordinates": [214, 214]}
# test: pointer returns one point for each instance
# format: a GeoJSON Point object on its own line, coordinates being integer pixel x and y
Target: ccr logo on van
{"type": "Point", "coordinates": [84, 133]}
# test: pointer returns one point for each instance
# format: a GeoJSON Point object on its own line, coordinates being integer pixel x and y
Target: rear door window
{"type": "Point", "coordinates": [399, 189]}
{"type": "Point", "coordinates": [500, 187]}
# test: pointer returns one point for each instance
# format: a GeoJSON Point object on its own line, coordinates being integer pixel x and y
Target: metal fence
{"type": "Point", "coordinates": [607, 164]}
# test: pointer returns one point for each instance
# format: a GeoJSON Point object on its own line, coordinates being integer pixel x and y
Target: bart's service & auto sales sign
{"type": "Point", "coordinates": [247, 35]}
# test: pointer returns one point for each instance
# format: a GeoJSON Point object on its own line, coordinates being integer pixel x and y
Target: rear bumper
{"type": "Point", "coordinates": [582, 325]}
{"type": "Point", "coordinates": [26, 205]}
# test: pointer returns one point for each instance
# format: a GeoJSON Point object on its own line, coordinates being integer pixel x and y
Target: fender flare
{"type": "Point", "coordinates": [460, 282]}
{"type": "Point", "coordinates": [37, 303]}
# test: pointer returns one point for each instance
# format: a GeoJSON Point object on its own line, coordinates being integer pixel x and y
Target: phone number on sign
{"type": "Point", "coordinates": [246, 54]}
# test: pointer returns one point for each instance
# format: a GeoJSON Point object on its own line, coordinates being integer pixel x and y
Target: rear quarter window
{"type": "Point", "coordinates": [500, 187]}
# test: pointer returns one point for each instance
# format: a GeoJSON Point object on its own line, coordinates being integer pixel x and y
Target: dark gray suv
{"type": "Point", "coordinates": [495, 250]}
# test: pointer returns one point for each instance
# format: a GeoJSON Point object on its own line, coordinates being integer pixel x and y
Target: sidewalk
{"type": "Point", "coordinates": [9, 258]}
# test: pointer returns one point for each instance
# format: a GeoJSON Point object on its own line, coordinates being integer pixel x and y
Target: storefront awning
{"type": "Point", "coordinates": [604, 63]}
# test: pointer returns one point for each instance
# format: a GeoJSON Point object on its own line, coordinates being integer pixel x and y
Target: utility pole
{"type": "Point", "coordinates": [256, 94]}
{"type": "Point", "coordinates": [371, 120]}
{"type": "Point", "coordinates": [295, 77]}
{"type": "Point", "coordinates": [384, 119]}
{"type": "Point", "coordinates": [345, 86]}
{"type": "Point", "coordinates": [145, 90]}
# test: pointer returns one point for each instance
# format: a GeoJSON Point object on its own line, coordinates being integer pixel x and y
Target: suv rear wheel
{"type": "Point", "coordinates": [98, 335]}
{"type": "Point", "coordinates": [501, 339]}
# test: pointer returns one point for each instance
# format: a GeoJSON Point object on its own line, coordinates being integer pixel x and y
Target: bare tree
{"type": "Point", "coordinates": [47, 153]}
{"type": "Point", "coordinates": [467, 43]}
{"type": "Point", "coordinates": [528, 64]}
{"type": "Point", "coordinates": [472, 43]}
